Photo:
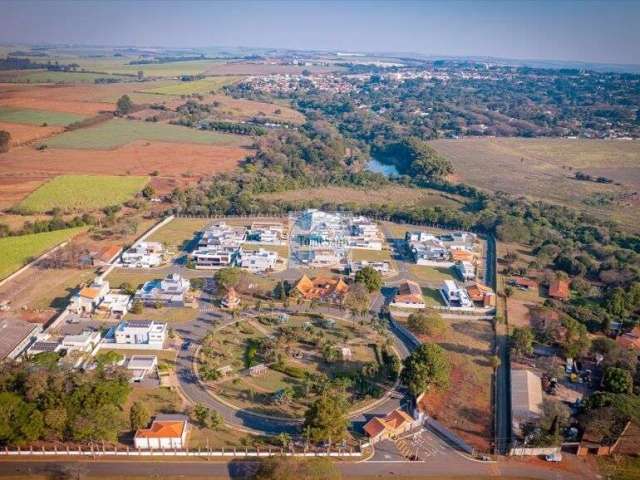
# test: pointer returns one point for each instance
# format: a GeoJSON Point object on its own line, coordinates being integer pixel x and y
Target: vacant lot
{"type": "Point", "coordinates": [82, 193]}
{"type": "Point", "coordinates": [118, 132]}
{"type": "Point", "coordinates": [17, 251]}
{"type": "Point", "coordinates": [37, 117]}
{"type": "Point", "coordinates": [204, 86]}
{"type": "Point", "coordinates": [179, 232]}
{"type": "Point", "coordinates": [544, 169]}
{"type": "Point", "coordinates": [21, 133]}
{"type": "Point", "coordinates": [239, 108]}
{"type": "Point", "coordinates": [391, 195]}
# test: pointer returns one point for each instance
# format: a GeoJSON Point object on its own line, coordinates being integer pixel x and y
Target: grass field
{"type": "Point", "coordinates": [45, 76]}
{"type": "Point", "coordinates": [17, 251]}
{"type": "Point", "coordinates": [82, 192]}
{"type": "Point", "coordinates": [204, 86]}
{"type": "Point", "coordinates": [359, 254]}
{"type": "Point", "coordinates": [166, 314]}
{"type": "Point", "coordinates": [179, 232]}
{"type": "Point", "coordinates": [117, 132]}
{"type": "Point", "coordinates": [37, 117]}
{"type": "Point", "coordinates": [544, 169]}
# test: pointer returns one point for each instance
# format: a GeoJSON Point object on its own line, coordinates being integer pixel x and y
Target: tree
{"type": "Point", "coordinates": [357, 299]}
{"type": "Point", "coordinates": [140, 74]}
{"type": "Point", "coordinates": [285, 439]}
{"type": "Point", "coordinates": [5, 141]}
{"type": "Point", "coordinates": [576, 342]}
{"type": "Point", "coordinates": [326, 418]}
{"type": "Point", "coordinates": [426, 367]}
{"type": "Point", "coordinates": [522, 340]}
{"type": "Point", "coordinates": [370, 277]}
{"type": "Point", "coordinates": [228, 277]}
{"type": "Point", "coordinates": [427, 323]}
{"type": "Point", "coordinates": [148, 191]}
{"type": "Point", "coordinates": [139, 416]}
{"type": "Point", "coordinates": [124, 105]}
{"type": "Point", "coordinates": [137, 307]}
{"type": "Point", "coordinates": [617, 380]}
{"type": "Point", "coordinates": [202, 414]}
{"type": "Point", "coordinates": [296, 468]}
{"type": "Point", "coordinates": [554, 418]}
{"type": "Point", "coordinates": [215, 420]}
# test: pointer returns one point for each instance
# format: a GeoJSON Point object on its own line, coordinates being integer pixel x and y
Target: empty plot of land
{"type": "Point", "coordinates": [544, 168]}
{"type": "Point", "coordinates": [241, 108]}
{"type": "Point", "coordinates": [82, 192]}
{"type": "Point", "coordinates": [203, 86]}
{"type": "Point", "coordinates": [391, 195]}
{"type": "Point", "coordinates": [118, 132]}
{"type": "Point", "coordinates": [21, 134]}
{"type": "Point", "coordinates": [37, 117]}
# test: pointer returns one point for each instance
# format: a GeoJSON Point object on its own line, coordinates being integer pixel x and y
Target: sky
{"type": "Point", "coordinates": [582, 30]}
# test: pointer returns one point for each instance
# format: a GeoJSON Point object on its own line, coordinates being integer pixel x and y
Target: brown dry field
{"type": "Point", "coordinates": [21, 134]}
{"type": "Point", "coordinates": [263, 69]}
{"type": "Point", "coordinates": [391, 195]}
{"type": "Point", "coordinates": [543, 169]}
{"type": "Point", "coordinates": [23, 169]}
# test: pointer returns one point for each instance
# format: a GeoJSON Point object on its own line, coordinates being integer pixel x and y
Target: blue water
{"type": "Point", "coordinates": [384, 168]}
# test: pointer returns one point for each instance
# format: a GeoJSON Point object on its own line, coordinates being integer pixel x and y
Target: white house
{"type": "Point", "coordinates": [170, 291]}
{"type": "Point", "coordinates": [258, 260]}
{"type": "Point", "coordinates": [166, 431]}
{"type": "Point", "coordinates": [466, 270]}
{"type": "Point", "coordinates": [88, 298]}
{"type": "Point", "coordinates": [381, 267]}
{"type": "Point", "coordinates": [455, 296]}
{"type": "Point", "coordinates": [143, 255]}
{"type": "Point", "coordinates": [141, 365]}
{"type": "Point", "coordinates": [84, 342]}
{"type": "Point", "coordinates": [323, 257]}
{"type": "Point", "coordinates": [141, 332]}
{"type": "Point", "coordinates": [116, 304]}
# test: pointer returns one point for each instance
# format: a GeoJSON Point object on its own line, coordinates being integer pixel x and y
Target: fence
{"type": "Point", "coordinates": [526, 451]}
{"type": "Point", "coordinates": [199, 453]}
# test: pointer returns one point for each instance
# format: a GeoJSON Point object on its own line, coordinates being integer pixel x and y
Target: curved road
{"type": "Point", "coordinates": [211, 317]}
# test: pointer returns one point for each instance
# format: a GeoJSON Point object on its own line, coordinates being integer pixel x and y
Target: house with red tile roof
{"type": "Point", "coordinates": [391, 425]}
{"type": "Point", "coordinates": [559, 289]}
{"type": "Point", "coordinates": [166, 431]}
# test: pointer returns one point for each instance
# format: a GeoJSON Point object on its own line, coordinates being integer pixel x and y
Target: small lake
{"type": "Point", "coordinates": [385, 169]}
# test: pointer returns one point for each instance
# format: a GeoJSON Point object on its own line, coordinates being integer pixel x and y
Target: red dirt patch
{"type": "Point", "coordinates": [21, 134]}
{"type": "Point", "coordinates": [14, 188]}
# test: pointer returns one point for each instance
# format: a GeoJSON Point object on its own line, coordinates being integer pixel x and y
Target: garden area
{"type": "Point", "coordinates": [278, 365]}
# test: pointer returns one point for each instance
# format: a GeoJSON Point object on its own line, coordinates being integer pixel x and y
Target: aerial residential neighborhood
{"type": "Point", "coordinates": [283, 240]}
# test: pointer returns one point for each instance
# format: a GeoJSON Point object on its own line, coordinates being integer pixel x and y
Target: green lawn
{"type": "Point", "coordinates": [132, 276]}
{"type": "Point", "coordinates": [203, 86]}
{"type": "Point", "coordinates": [37, 117]}
{"type": "Point", "coordinates": [359, 254]}
{"type": "Point", "coordinates": [82, 192]}
{"type": "Point", "coordinates": [422, 273]}
{"type": "Point", "coordinates": [432, 297]}
{"type": "Point", "coordinates": [17, 251]}
{"type": "Point", "coordinates": [118, 132]}
{"type": "Point", "coordinates": [179, 231]}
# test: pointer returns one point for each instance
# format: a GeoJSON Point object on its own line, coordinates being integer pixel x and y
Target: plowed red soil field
{"type": "Point", "coordinates": [21, 134]}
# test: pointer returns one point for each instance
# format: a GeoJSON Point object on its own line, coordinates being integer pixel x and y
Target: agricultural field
{"type": "Point", "coordinates": [544, 169]}
{"type": "Point", "coordinates": [242, 109]}
{"type": "Point", "coordinates": [45, 76]}
{"type": "Point", "coordinates": [202, 87]}
{"type": "Point", "coordinates": [82, 193]}
{"type": "Point", "coordinates": [21, 133]}
{"type": "Point", "coordinates": [388, 195]}
{"type": "Point", "coordinates": [118, 132]}
{"type": "Point", "coordinates": [171, 69]}
{"type": "Point", "coordinates": [17, 251]}
{"type": "Point", "coordinates": [37, 117]}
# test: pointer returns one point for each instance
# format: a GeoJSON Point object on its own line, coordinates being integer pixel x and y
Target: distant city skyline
{"type": "Point", "coordinates": [585, 31]}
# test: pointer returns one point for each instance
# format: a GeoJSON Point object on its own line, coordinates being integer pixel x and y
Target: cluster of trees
{"type": "Point", "coordinates": [232, 127]}
{"type": "Point", "coordinates": [5, 141]}
{"type": "Point", "coordinates": [41, 401]}
{"type": "Point", "coordinates": [47, 225]}
{"type": "Point", "coordinates": [18, 63]}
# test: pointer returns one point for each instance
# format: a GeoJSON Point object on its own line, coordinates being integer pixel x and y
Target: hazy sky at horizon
{"type": "Point", "coordinates": [592, 31]}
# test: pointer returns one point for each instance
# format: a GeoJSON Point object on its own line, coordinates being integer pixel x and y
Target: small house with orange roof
{"type": "Point", "coordinates": [89, 297]}
{"type": "Point", "coordinates": [391, 425]}
{"type": "Point", "coordinates": [166, 431]}
{"type": "Point", "coordinates": [462, 255]}
{"type": "Point", "coordinates": [481, 295]}
{"type": "Point", "coordinates": [630, 340]}
{"type": "Point", "coordinates": [231, 299]}
{"type": "Point", "coordinates": [321, 288]}
{"type": "Point", "coordinates": [409, 295]}
{"type": "Point", "coordinates": [106, 255]}
{"type": "Point", "coordinates": [559, 289]}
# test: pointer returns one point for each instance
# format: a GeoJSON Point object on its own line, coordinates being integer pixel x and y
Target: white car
{"type": "Point", "coordinates": [553, 457]}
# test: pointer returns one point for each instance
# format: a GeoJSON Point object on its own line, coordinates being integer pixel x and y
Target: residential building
{"type": "Point", "coordinates": [143, 255]}
{"type": "Point", "coordinates": [141, 332]}
{"type": "Point", "coordinates": [258, 370]}
{"type": "Point", "coordinates": [116, 304]}
{"type": "Point", "coordinates": [44, 345]}
{"type": "Point", "coordinates": [106, 255]}
{"type": "Point", "coordinates": [389, 426]}
{"type": "Point", "coordinates": [321, 288]}
{"type": "Point", "coordinates": [84, 342]}
{"type": "Point", "coordinates": [454, 295]}
{"type": "Point", "coordinates": [526, 398]}
{"type": "Point", "coordinates": [88, 298]}
{"type": "Point", "coordinates": [464, 240]}
{"type": "Point", "coordinates": [462, 255]}
{"type": "Point", "coordinates": [257, 261]}
{"type": "Point", "coordinates": [382, 267]}
{"type": "Point", "coordinates": [141, 365]}
{"type": "Point", "coordinates": [409, 295]}
{"type": "Point", "coordinates": [481, 295]}
{"type": "Point", "coordinates": [524, 283]}
{"type": "Point", "coordinates": [559, 289]}
{"type": "Point", "coordinates": [170, 291]}
{"type": "Point", "coordinates": [364, 234]}
{"type": "Point", "coordinates": [166, 431]}
{"type": "Point", "coordinates": [624, 439]}
{"type": "Point", "coordinates": [266, 232]}
{"type": "Point", "coordinates": [218, 246]}
{"type": "Point", "coordinates": [426, 248]}
{"type": "Point", "coordinates": [466, 270]}
{"type": "Point", "coordinates": [15, 337]}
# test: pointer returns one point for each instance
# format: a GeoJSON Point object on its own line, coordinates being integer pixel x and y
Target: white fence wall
{"type": "Point", "coordinates": [524, 451]}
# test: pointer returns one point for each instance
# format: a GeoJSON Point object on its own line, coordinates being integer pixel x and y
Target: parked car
{"type": "Point", "coordinates": [553, 457]}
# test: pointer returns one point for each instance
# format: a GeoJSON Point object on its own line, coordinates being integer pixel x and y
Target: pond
{"type": "Point", "coordinates": [385, 169]}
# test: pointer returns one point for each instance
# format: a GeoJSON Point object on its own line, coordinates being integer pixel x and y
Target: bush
{"type": "Point", "coordinates": [428, 323]}
{"type": "Point", "coordinates": [292, 371]}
